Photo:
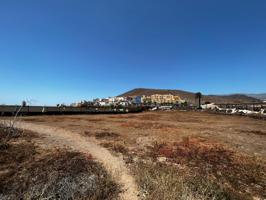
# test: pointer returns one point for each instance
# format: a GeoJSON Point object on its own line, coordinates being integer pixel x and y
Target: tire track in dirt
{"type": "Point", "coordinates": [114, 165]}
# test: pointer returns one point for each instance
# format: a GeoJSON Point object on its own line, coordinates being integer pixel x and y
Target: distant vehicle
{"type": "Point", "coordinates": [154, 108]}
{"type": "Point", "coordinates": [165, 107]}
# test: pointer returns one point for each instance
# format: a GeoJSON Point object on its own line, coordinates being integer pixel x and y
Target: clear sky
{"type": "Point", "coordinates": [56, 51]}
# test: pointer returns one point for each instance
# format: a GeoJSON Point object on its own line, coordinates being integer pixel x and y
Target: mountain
{"type": "Point", "coordinates": [261, 96]}
{"type": "Point", "coordinates": [190, 96]}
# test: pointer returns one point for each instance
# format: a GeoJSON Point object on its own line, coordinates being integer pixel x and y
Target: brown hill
{"type": "Point", "coordinates": [190, 96]}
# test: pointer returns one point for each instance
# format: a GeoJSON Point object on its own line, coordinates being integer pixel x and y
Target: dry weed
{"type": "Point", "coordinates": [27, 172]}
{"type": "Point", "coordinates": [241, 176]}
{"type": "Point", "coordinates": [158, 181]}
{"type": "Point", "coordinates": [106, 135]}
{"type": "Point", "coordinates": [116, 147]}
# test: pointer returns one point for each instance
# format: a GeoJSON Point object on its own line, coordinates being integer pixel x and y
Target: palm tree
{"type": "Point", "coordinates": [198, 96]}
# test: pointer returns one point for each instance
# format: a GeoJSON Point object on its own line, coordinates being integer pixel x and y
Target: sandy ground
{"type": "Point", "coordinates": [242, 134]}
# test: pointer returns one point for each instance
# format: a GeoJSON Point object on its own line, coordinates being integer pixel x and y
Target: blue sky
{"type": "Point", "coordinates": [57, 51]}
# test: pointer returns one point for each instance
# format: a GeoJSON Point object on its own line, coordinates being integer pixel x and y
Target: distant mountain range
{"type": "Point", "coordinates": [261, 96]}
{"type": "Point", "coordinates": [190, 96]}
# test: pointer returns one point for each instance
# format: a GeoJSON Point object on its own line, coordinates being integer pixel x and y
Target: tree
{"type": "Point", "coordinates": [198, 96]}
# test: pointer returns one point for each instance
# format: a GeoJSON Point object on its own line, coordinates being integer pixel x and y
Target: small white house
{"type": "Point", "coordinates": [118, 99]}
{"type": "Point", "coordinates": [111, 100]}
{"type": "Point", "coordinates": [210, 106]}
{"type": "Point", "coordinates": [102, 103]}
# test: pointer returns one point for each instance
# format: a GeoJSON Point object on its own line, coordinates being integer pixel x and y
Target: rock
{"type": "Point", "coordinates": [161, 159]}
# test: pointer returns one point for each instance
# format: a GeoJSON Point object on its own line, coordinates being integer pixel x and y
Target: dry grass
{"type": "Point", "coordinates": [7, 133]}
{"type": "Point", "coordinates": [31, 119]}
{"type": "Point", "coordinates": [88, 133]}
{"type": "Point", "coordinates": [8, 130]}
{"type": "Point", "coordinates": [219, 157]}
{"type": "Point", "coordinates": [116, 147]}
{"type": "Point", "coordinates": [240, 176]}
{"type": "Point", "coordinates": [123, 116]}
{"type": "Point", "coordinates": [149, 117]}
{"type": "Point", "coordinates": [95, 120]}
{"type": "Point", "coordinates": [106, 135]}
{"type": "Point", "coordinates": [159, 181]}
{"type": "Point", "coordinates": [29, 172]}
{"type": "Point", "coordinates": [257, 132]}
{"type": "Point", "coordinates": [146, 125]}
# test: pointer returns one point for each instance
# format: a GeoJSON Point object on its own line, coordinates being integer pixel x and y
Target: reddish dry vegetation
{"type": "Point", "coordinates": [30, 172]}
{"type": "Point", "coordinates": [240, 175]}
{"type": "Point", "coordinates": [146, 125]}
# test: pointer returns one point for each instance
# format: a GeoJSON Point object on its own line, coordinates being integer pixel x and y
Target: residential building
{"type": "Point", "coordinates": [164, 99]}
{"type": "Point", "coordinates": [137, 100]}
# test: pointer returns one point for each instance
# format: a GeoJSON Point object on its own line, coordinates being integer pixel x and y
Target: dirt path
{"type": "Point", "coordinates": [114, 165]}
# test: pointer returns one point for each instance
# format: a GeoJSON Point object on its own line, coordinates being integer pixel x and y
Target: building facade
{"type": "Point", "coordinates": [159, 99]}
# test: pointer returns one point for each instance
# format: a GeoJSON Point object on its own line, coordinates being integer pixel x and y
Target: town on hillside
{"type": "Point", "coordinates": [170, 101]}
{"type": "Point", "coordinates": [148, 100]}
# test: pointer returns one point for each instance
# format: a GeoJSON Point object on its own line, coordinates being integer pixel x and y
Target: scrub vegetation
{"type": "Point", "coordinates": [183, 155]}
{"type": "Point", "coordinates": [27, 171]}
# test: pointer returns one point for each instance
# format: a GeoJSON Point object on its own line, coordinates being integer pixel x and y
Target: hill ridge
{"type": "Point", "coordinates": [190, 96]}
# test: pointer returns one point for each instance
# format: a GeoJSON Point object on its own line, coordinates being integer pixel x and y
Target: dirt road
{"type": "Point", "coordinates": [65, 138]}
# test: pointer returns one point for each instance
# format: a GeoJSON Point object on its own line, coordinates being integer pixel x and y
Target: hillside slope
{"type": "Point", "coordinates": [261, 96]}
{"type": "Point", "coordinates": [190, 96]}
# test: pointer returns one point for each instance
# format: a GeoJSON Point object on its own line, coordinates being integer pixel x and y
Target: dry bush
{"type": "Point", "coordinates": [27, 172]}
{"type": "Point", "coordinates": [106, 135]}
{"type": "Point", "coordinates": [7, 132]}
{"type": "Point", "coordinates": [88, 133]}
{"type": "Point", "coordinates": [64, 175]}
{"type": "Point", "coordinates": [158, 181]}
{"type": "Point", "coordinates": [149, 117]}
{"type": "Point", "coordinates": [94, 119]}
{"type": "Point", "coordinates": [257, 132]}
{"type": "Point", "coordinates": [146, 125]}
{"type": "Point", "coordinates": [154, 150]}
{"type": "Point", "coordinates": [120, 148]}
{"type": "Point", "coordinates": [123, 116]}
{"type": "Point", "coordinates": [116, 147]}
{"type": "Point", "coordinates": [30, 119]}
{"type": "Point", "coordinates": [241, 176]}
